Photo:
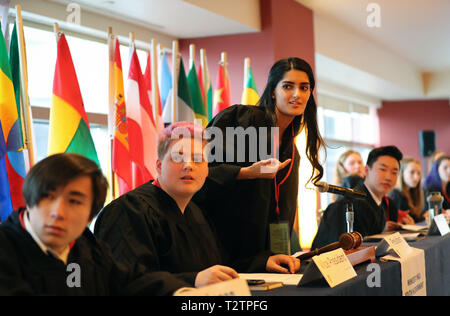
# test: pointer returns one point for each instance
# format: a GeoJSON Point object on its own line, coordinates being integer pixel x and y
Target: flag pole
{"type": "Point", "coordinates": [175, 70]}
{"type": "Point", "coordinates": [191, 55]}
{"type": "Point", "coordinates": [56, 31]}
{"type": "Point", "coordinates": [27, 127]}
{"type": "Point", "coordinates": [246, 67]}
{"type": "Point", "coordinates": [204, 65]}
{"type": "Point", "coordinates": [154, 79]}
{"type": "Point", "coordinates": [111, 114]}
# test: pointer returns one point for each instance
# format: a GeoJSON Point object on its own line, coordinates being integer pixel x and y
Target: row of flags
{"type": "Point", "coordinates": [12, 159]}
{"type": "Point", "coordinates": [138, 111]}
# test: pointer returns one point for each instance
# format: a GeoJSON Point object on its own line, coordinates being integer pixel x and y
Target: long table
{"type": "Point", "coordinates": [437, 261]}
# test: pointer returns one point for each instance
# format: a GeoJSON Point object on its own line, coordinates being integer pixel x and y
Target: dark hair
{"type": "Point", "coordinates": [433, 178]}
{"type": "Point", "coordinates": [308, 118]}
{"type": "Point", "coordinates": [60, 169]}
{"type": "Point", "coordinates": [391, 151]}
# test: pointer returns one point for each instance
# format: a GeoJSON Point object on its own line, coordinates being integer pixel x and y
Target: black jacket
{"type": "Point", "coordinates": [146, 227]}
{"type": "Point", "coordinates": [26, 270]}
{"type": "Point", "coordinates": [369, 218]}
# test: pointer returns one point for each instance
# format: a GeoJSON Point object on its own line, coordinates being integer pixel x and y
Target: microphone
{"type": "Point", "coordinates": [325, 187]}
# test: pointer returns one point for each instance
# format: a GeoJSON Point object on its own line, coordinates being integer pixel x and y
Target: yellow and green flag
{"type": "Point", "coordinates": [69, 126]}
{"type": "Point", "coordinates": [250, 93]}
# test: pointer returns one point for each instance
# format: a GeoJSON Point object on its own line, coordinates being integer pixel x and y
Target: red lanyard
{"type": "Point", "coordinates": [277, 187]}
{"type": "Point", "coordinates": [444, 192]}
{"type": "Point", "coordinates": [387, 208]}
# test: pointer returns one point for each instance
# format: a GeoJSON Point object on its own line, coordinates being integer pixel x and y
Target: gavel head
{"type": "Point", "coordinates": [349, 241]}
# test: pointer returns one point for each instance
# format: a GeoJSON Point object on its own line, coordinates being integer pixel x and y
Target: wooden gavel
{"type": "Point", "coordinates": [346, 241]}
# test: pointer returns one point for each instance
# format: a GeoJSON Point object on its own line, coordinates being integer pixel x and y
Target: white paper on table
{"type": "Point", "coordinates": [287, 279]}
{"type": "Point", "coordinates": [414, 228]}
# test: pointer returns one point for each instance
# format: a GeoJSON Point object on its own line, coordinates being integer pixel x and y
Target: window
{"type": "Point", "coordinates": [91, 64]}
{"type": "Point", "coordinates": [344, 125]}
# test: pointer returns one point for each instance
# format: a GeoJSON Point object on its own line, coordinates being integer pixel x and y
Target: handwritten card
{"type": "Point", "coordinates": [335, 267]}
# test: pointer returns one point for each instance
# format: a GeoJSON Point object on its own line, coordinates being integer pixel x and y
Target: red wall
{"type": "Point", "coordinates": [287, 30]}
{"type": "Point", "coordinates": [401, 121]}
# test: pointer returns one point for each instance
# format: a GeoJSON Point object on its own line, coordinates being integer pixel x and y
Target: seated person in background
{"type": "Point", "coordinates": [375, 213]}
{"type": "Point", "coordinates": [158, 226]}
{"type": "Point", "coordinates": [349, 170]}
{"type": "Point", "coordinates": [438, 180]}
{"type": "Point", "coordinates": [408, 194]}
{"type": "Point", "coordinates": [41, 244]}
{"type": "Point", "coordinates": [434, 157]}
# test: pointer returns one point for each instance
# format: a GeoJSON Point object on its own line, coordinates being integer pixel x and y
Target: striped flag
{"type": "Point", "coordinates": [121, 160]}
{"type": "Point", "coordinates": [250, 93]}
{"type": "Point", "coordinates": [164, 79]}
{"type": "Point", "coordinates": [196, 96]}
{"type": "Point", "coordinates": [9, 117]}
{"type": "Point", "coordinates": [205, 84]}
{"type": "Point", "coordinates": [142, 135]}
{"type": "Point", "coordinates": [148, 83]}
{"type": "Point", "coordinates": [69, 126]}
{"type": "Point", "coordinates": [185, 111]}
{"type": "Point", "coordinates": [5, 193]}
{"type": "Point", "coordinates": [222, 91]}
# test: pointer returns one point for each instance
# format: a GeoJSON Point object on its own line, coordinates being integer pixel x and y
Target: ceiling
{"type": "Point", "coordinates": [416, 31]}
{"type": "Point", "coordinates": [178, 18]}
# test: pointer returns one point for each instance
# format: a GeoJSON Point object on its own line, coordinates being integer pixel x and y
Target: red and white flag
{"type": "Point", "coordinates": [142, 134]}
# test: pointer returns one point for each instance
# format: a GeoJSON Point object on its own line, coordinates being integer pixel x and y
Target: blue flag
{"type": "Point", "coordinates": [5, 195]}
{"type": "Point", "coordinates": [165, 80]}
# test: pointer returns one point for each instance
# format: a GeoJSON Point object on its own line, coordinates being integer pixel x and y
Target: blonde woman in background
{"type": "Point", "coordinates": [349, 170]}
{"type": "Point", "coordinates": [408, 194]}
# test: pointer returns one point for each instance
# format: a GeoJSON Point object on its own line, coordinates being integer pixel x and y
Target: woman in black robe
{"type": "Point", "coordinates": [158, 226]}
{"type": "Point", "coordinates": [239, 196]}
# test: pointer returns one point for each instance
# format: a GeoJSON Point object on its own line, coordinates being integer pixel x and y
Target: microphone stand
{"type": "Point", "coordinates": [349, 215]}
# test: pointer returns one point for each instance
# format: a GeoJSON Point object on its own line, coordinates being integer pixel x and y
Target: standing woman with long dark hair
{"type": "Point", "coordinates": [247, 198]}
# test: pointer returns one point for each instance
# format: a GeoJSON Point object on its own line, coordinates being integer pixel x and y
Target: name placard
{"type": "Point", "coordinates": [398, 244]}
{"type": "Point", "coordinates": [412, 262]}
{"type": "Point", "coordinates": [439, 226]}
{"type": "Point", "coordinates": [335, 267]}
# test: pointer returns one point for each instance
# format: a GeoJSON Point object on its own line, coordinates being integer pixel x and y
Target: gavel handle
{"type": "Point", "coordinates": [319, 251]}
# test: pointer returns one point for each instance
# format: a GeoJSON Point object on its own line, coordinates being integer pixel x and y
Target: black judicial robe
{"type": "Point", "coordinates": [26, 270]}
{"type": "Point", "coordinates": [242, 209]}
{"type": "Point", "coordinates": [146, 226]}
{"type": "Point", "coordinates": [369, 218]}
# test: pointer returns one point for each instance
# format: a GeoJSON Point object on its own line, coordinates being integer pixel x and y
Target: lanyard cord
{"type": "Point", "coordinates": [277, 187]}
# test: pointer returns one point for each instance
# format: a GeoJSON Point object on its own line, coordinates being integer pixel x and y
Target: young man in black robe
{"type": "Point", "coordinates": [46, 248]}
{"type": "Point", "coordinates": [158, 226]}
{"type": "Point", "coordinates": [372, 215]}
